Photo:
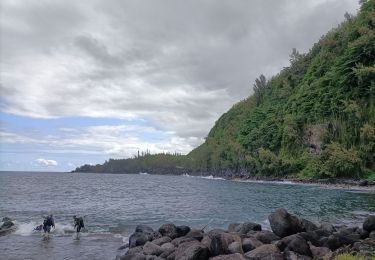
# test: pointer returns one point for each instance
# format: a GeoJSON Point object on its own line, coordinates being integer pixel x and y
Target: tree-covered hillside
{"type": "Point", "coordinates": [315, 118]}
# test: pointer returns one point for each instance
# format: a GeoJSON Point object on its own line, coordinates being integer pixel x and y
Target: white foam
{"type": "Point", "coordinates": [143, 173]}
{"type": "Point", "coordinates": [211, 177]}
{"type": "Point", "coordinates": [27, 229]}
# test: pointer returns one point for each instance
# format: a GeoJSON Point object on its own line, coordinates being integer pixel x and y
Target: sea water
{"type": "Point", "coordinates": [113, 204]}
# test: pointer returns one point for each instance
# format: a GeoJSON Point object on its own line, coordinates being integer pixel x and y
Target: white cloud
{"type": "Point", "coordinates": [180, 64]}
{"type": "Point", "coordinates": [46, 162]}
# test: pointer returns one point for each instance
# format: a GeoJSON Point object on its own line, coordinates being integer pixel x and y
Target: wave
{"type": "Point", "coordinates": [210, 177]}
{"type": "Point", "coordinates": [143, 173]}
{"type": "Point", "coordinates": [28, 229]}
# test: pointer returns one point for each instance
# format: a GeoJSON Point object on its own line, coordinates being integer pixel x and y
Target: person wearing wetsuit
{"type": "Point", "coordinates": [78, 224]}
{"type": "Point", "coordinates": [48, 223]}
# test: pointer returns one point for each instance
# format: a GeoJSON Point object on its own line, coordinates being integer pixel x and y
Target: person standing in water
{"type": "Point", "coordinates": [78, 225]}
{"type": "Point", "coordinates": [47, 224]}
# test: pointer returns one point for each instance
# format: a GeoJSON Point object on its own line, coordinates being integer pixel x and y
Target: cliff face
{"type": "Point", "coordinates": [315, 118]}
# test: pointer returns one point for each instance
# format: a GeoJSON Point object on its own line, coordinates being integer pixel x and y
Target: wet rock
{"type": "Point", "coordinates": [141, 235]}
{"type": "Point", "coordinates": [135, 250]}
{"type": "Point", "coordinates": [196, 234]}
{"type": "Point", "coordinates": [262, 252]}
{"type": "Point", "coordinates": [5, 219]}
{"type": "Point", "coordinates": [300, 246]}
{"type": "Point", "coordinates": [167, 252]}
{"type": "Point", "coordinates": [192, 251]}
{"type": "Point", "coordinates": [167, 246]}
{"type": "Point", "coordinates": [372, 235]}
{"type": "Point", "coordinates": [7, 224]}
{"type": "Point", "coordinates": [220, 242]}
{"type": "Point", "coordinates": [169, 230]}
{"type": "Point", "coordinates": [229, 257]}
{"type": "Point", "coordinates": [244, 228]}
{"type": "Point", "coordinates": [183, 230]}
{"type": "Point", "coordinates": [284, 224]}
{"type": "Point", "coordinates": [151, 249]}
{"type": "Point", "coordinates": [319, 252]}
{"type": "Point", "coordinates": [369, 224]}
{"type": "Point", "coordinates": [311, 237]}
{"type": "Point", "coordinates": [162, 240]}
{"type": "Point", "coordinates": [308, 226]}
{"type": "Point", "coordinates": [326, 227]}
{"type": "Point", "coordinates": [138, 239]}
{"type": "Point", "coordinates": [232, 227]}
{"type": "Point", "coordinates": [266, 237]}
{"type": "Point", "coordinates": [177, 241]}
{"type": "Point", "coordinates": [251, 243]}
{"type": "Point", "coordinates": [206, 241]}
{"type": "Point", "coordinates": [235, 247]}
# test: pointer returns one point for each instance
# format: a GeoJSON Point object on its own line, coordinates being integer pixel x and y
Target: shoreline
{"type": "Point", "coordinates": [328, 183]}
{"type": "Point", "coordinates": [324, 183]}
{"type": "Point", "coordinates": [290, 237]}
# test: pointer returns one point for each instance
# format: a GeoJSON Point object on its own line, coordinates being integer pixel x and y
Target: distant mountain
{"type": "Point", "coordinates": [315, 118]}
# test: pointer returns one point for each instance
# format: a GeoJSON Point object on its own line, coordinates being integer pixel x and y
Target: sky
{"type": "Point", "coordinates": [85, 81]}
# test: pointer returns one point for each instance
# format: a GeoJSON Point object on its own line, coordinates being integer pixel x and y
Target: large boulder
{"type": "Point", "coordinates": [192, 251]}
{"type": "Point", "coordinates": [266, 237]}
{"type": "Point", "coordinates": [7, 224]}
{"type": "Point", "coordinates": [161, 241]}
{"type": "Point", "coordinates": [183, 230]}
{"type": "Point", "coordinates": [220, 242]}
{"type": "Point", "coordinates": [141, 235]}
{"type": "Point", "coordinates": [284, 224]}
{"type": "Point", "coordinates": [235, 247]}
{"type": "Point", "coordinates": [244, 228]}
{"type": "Point", "coordinates": [262, 252]}
{"type": "Point", "coordinates": [250, 243]}
{"type": "Point", "coordinates": [369, 224]}
{"type": "Point", "coordinates": [177, 241]}
{"type": "Point", "coordinates": [319, 252]}
{"type": "Point", "coordinates": [326, 227]}
{"type": "Point", "coordinates": [167, 246]}
{"type": "Point", "coordinates": [169, 230]}
{"type": "Point", "coordinates": [299, 245]}
{"type": "Point", "coordinates": [138, 239]}
{"type": "Point", "coordinates": [151, 249]}
{"type": "Point", "coordinates": [196, 234]}
{"type": "Point", "coordinates": [308, 226]}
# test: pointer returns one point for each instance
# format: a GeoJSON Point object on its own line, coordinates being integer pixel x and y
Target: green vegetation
{"type": "Point", "coordinates": [316, 118]}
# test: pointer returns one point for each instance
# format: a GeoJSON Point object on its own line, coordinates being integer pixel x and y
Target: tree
{"type": "Point", "coordinates": [259, 88]}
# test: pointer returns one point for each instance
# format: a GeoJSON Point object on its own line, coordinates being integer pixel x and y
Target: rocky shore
{"type": "Point", "coordinates": [291, 238]}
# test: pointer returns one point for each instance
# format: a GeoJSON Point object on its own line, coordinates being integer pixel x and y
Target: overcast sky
{"type": "Point", "coordinates": [83, 81]}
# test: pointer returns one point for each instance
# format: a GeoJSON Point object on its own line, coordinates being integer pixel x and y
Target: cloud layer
{"type": "Point", "coordinates": [176, 64]}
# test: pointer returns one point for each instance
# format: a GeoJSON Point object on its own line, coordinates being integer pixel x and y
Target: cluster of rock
{"type": "Point", "coordinates": [291, 238]}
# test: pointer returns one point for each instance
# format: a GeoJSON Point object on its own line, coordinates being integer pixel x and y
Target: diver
{"type": "Point", "coordinates": [78, 224]}
{"type": "Point", "coordinates": [38, 228]}
{"type": "Point", "coordinates": [47, 224]}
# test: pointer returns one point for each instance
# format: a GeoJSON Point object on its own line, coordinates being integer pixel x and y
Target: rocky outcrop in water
{"type": "Point", "coordinates": [291, 238]}
{"type": "Point", "coordinates": [7, 226]}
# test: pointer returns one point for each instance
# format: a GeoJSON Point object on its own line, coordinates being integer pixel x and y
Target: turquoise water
{"type": "Point", "coordinates": [113, 204]}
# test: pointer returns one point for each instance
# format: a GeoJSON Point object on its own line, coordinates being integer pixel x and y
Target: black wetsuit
{"type": "Point", "coordinates": [47, 224]}
{"type": "Point", "coordinates": [78, 223]}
